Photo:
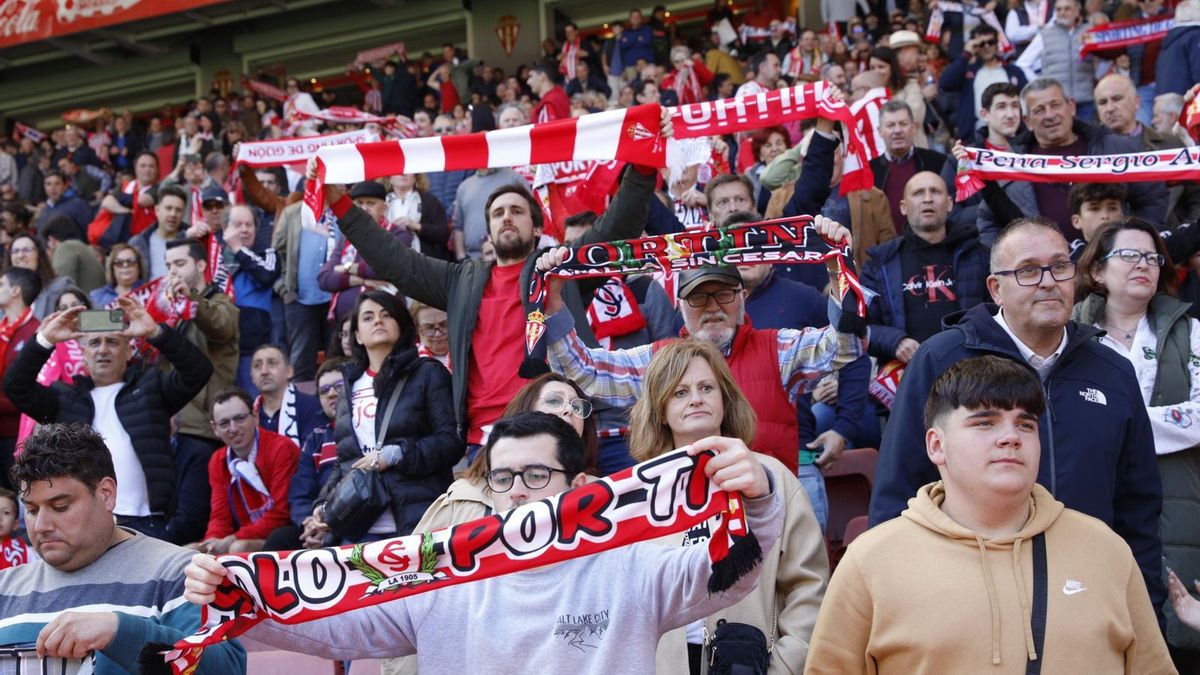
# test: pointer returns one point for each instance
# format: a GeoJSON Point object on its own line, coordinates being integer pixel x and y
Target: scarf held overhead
{"type": "Point", "coordinates": [664, 495]}
{"type": "Point", "coordinates": [785, 241]}
{"type": "Point", "coordinates": [1119, 34]}
{"type": "Point", "coordinates": [294, 150]}
{"type": "Point", "coordinates": [630, 135]}
{"type": "Point", "coordinates": [1136, 167]}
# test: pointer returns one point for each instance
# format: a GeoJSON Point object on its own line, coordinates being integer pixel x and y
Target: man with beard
{"type": "Point", "coordinates": [1097, 447]}
{"type": "Point", "coordinates": [772, 367]}
{"type": "Point", "coordinates": [482, 298]}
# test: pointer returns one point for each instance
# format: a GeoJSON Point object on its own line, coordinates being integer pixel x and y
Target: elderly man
{"type": "Point", "coordinates": [99, 588]}
{"type": "Point", "coordinates": [773, 366]}
{"type": "Point", "coordinates": [1055, 130]}
{"type": "Point", "coordinates": [1097, 448]}
{"type": "Point", "coordinates": [1117, 102]}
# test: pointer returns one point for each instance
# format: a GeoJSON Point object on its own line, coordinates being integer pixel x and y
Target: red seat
{"type": "Point", "coordinates": [848, 484]}
{"type": "Point", "coordinates": [855, 527]}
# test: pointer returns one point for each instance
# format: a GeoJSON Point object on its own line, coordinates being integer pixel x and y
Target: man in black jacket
{"type": "Point", "coordinates": [902, 159]}
{"type": "Point", "coordinates": [131, 408]}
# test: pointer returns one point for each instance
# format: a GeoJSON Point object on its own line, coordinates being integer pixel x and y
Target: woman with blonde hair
{"type": "Point", "coordinates": [689, 395]}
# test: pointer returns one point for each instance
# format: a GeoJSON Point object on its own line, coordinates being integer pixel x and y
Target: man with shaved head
{"type": "Point", "coordinates": [934, 269]}
{"type": "Point", "coordinates": [1117, 103]}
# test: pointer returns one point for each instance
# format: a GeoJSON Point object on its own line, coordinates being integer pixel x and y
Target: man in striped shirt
{"type": "Point", "coordinates": [772, 367]}
{"type": "Point", "coordinates": [99, 589]}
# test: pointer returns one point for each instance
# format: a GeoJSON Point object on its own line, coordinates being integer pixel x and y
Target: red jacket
{"type": "Point", "coordinates": [554, 106]}
{"type": "Point", "coordinates": [230, 514]}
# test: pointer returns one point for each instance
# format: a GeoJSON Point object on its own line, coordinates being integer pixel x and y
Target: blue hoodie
{"type": "Point", "coordinates": [1097, 446]}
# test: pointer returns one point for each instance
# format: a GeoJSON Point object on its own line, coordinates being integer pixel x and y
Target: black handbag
{"type": "Point", "coordinates": [738, 649]}
{"type": "Point", "coordinates": [361, 496]}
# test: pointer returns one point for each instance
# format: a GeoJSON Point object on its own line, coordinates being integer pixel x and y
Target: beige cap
{"type": "Point", "coordinates": [904, 38]}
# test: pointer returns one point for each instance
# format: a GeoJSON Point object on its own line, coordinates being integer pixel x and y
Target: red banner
{"type": "Point", "coordinates": [24, 21]}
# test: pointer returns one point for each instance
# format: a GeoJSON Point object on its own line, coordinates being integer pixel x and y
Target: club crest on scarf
{"type": "Point", "coordinates": [664, 495]}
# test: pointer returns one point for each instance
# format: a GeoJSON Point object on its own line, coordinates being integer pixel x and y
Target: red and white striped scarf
{"type": "Point", "coordinates": [140, 216]}
{"type": "Point", "coordinates": [630, 135]}
{"type": "Point", "coordinates": [866, 119]}
{"type": "Point", "coordinates": [1118, 34]}
{"type": "Point", "coordinates": [570, 58]}
{"type": "Point", "coordinates": [1137, 167]}
{"type": "Point", "coordinates": [664, 495]}
{"type": "Point", "coordinates": [796, 63]}
{"type": "Point", "coordinates": [685, 83]}
{"type": "Point", "coordinates": [339, 114]}
{"type": "Point", "coordinates": [195, 206]}
{"type": "Point", "coordinates": [1190, 118]}
{"type": "Point", "coordinates": [265, 90]}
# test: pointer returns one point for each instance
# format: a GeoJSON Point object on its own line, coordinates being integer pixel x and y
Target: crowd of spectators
{"type": "Point", "coordinates": [262, 361]}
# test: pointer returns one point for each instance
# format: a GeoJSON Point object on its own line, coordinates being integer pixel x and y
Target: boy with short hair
{"type": "Point", "coordinates": [1096, 204]}
{"type": "Point", "coordinates": [977, 545]}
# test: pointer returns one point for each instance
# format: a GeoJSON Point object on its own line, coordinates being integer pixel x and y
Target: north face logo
{"type": "Point", "coordinates": [1093, 396]}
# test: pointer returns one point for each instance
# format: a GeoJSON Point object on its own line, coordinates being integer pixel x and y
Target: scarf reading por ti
{"type": "Point", "coordinates": [784, 241]}
{"type": "Point", "coordinates": [630, 135]}
{"type": "Point", "coordinates": [661, 496]}
{"type": "Point", "coordinates": [1136, 167]}
{"type": "Point", "coordinates": [1118, 34]}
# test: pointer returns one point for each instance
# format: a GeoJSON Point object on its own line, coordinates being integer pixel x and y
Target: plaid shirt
{"type": "Point", "coordinates": [615, 377]}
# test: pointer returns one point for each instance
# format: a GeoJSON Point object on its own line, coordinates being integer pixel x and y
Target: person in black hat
{"type": "Point", "coordinates": [214, 202]}
{"type": "Point", "coordinates": [346, 274]}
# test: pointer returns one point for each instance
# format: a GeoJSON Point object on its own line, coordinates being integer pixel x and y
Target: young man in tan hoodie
{"type": "Point", "coordinates": [985, 570]}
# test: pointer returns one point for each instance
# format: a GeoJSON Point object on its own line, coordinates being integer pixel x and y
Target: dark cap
{"type": "Point", "coordinates": [689, 280]}
{"type": "Point", "coordinates": [368, 188]}
{"type": "Point", "coordinates": [192, 159]}
{"type": "Point", "coordinates": [213, 193]}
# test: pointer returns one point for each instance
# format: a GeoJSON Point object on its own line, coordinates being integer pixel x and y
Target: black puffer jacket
{"type": "Point", "coordinates": [422, 423]}
{"type": "Point", "coordinates": [144, 405]}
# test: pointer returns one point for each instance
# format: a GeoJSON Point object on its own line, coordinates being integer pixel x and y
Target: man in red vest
{"type": "Point", "coordinates": [772, 367]}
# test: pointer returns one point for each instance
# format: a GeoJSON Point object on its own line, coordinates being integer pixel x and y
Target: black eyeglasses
{"type": "Point", "coordinates": [535, 477]}
{"type": "Point", "coordinates": [231, 422]}
{"type": "Point", "coordinates": [1132, 256]}
{"type": "Point", "coordinates": [436, 329]}
{"type": "Point", "coordinates": [1032, 275]}
{"type": "Point", "coordinates": [327, 389]}
{"type": "Point", "coordinates": [723, 296]}
{"type": "Point", "coordinates": [987, 43]}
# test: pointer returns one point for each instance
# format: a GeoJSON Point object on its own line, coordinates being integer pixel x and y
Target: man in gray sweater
{"type": "Point", "coordinates": [597, 614]}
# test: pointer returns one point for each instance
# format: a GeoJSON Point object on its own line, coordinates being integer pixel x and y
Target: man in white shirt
{"type": "Point", "coordinates": [131, 408]}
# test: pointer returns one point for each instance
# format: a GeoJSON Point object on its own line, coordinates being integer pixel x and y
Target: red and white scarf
{"type": "Point", "coordinates": [685, 82]}
{"type": "Point", "coordinates": [339, 114]}
{"type": "Point", "coordinates": [664, 495]}
{"type": "Point", "coordinates": [25, 131]}
{"type": "Point", "coordinates": [162, 309]}
{"type": "Point", "coordinates": [259, 154]}
{"type": "Point", "coordinates": [444, 359]}
{"type": "Point", "coordinates": [140, 217]}
{"type": "Point", "coordinates": [866, 119]}
{"type": "Point", "coordinates": [195, 206]}
{"type": "Point", "coordinates": [796, 63]}
{"type": "Point", "coordinates": [570, 58]}
{"type": "Point", "coordinates": [614, 312]}
{"type": "Point", "coordinates": [9, 328]}
{"type": "Point", "coordinates": [886, 383]}
{"type": "Point", "coordinates": [13, 552]}
{"type": "Point", "coordinates": [377, 55]}
{"type": "Point", "coordinates": [1190, 118]}
{"type": "Point", "coordinates": [1137, 167]}
{"type": "Point", "coordinates": [1118, 34]}
{"type": "Point", "coordinates": [246, 484]}
{"type": "Point", "coordinates": [630, 134]}
{"type": "Point", "coordinates": [265, 90]}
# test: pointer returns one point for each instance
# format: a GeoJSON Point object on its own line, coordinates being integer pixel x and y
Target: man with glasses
{"type": "Point", "coordinates": [603, 613]}
{"type": "Point", "coordinates": [973, 71]}
{"type": "Point", "coordinates": [249, 478]}
{"type": "Point", "coordinates": [772, 367]}
{"type": "Point", "coordinates": [1097, 446]}
{"type": "Point", "coordinates": [318, 456]}
{"type": "Point", "coordinates": [130, 407]}
{"type": "Point", "coordinates": [433, 332]}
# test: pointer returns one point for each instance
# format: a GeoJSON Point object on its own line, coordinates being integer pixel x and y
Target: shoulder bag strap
{"type": "Point", "coordinates": [387, 414]}
{"type": "Point", "coordinates": [1038, 616]}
